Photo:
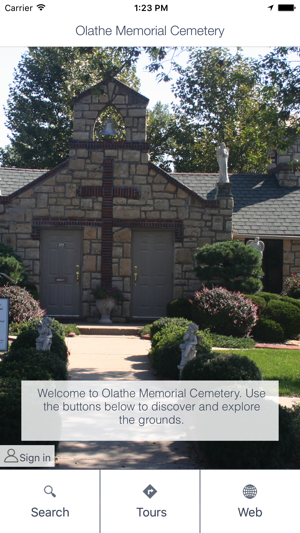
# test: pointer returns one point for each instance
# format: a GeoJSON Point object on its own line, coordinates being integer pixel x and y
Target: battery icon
{"type": "Point", "coordinates": [286, 7]}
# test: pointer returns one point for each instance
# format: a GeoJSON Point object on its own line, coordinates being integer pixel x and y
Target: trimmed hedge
{"type": "Point", "coordinates": [165, 353]}
{"type": "Point", "coordinates": [221, 367]}
{"type": "Point", "coordinates": [32, 364]}
{"type": "Point", "coordinates": [252, 454]}
{"type": "Point", "coordinates": [268, 296]}
{"type": "Point", "coordinates": [27, 339]}
{"type": "Point", "coordinates": [285, 314]}
{"type": "Point", "coordinates": [160, 324]}
{"type": "Point", "coordinates": [268, 330]}
{"type": "Point", "coordinates": [258, 300]}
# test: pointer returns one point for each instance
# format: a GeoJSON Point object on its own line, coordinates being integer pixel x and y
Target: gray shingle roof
{"type": "Point", "coordinates": [261, 206]}
{"type": "Point", "coordinates": [12, 179]}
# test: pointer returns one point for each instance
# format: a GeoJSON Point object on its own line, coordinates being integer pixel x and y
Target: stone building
{"type": "Point", "coordinates": [109, 215]}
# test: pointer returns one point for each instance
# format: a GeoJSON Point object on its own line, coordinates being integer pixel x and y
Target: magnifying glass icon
{"type": "Point", "coordinates": [49, 490]}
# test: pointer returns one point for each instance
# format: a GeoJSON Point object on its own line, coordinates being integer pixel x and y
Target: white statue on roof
{"type": "Point", "coordinates": [222, 157]}
{"type": "Point", "coordinates": [257, 245]}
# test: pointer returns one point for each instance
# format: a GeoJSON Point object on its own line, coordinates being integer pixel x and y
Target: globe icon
{"type": "Point", "coordinates": [249, 491]}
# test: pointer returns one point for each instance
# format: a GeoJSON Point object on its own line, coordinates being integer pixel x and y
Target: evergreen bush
{"type": "Point", "coordinates": [32, 364]}
{"type": "Point", "coordinates": [165, 353]}
{"type": "Point", "coordinates": [268, 296]}
{"type": "Point", "coordinates": [11, 264]}
{"type": "Point", "coordinates": [27, 339]}
{"type": "Point", "coordinates": [221, 368]}
{"type": "Point", "coordinates": [252, 454]}
{"type": "Point", "coordinates": [267, 330]}
{"type": "Point", "coordinates": [230, 264]}
{"type": "Point", "coordinates": [258, 300]}
{"type": "Point", "coordinates": [285, 314]}
{"type": "Point", "coordinates": [161, 323]}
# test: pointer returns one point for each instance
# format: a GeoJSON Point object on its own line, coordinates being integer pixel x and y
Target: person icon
{"type": "Point", "coordinates": [11, 458]}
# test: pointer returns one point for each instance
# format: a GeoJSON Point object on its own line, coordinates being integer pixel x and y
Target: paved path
{"type": "Point", "coordinates": [118, 358]}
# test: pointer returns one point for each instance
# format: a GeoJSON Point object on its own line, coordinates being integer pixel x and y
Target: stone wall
{"type": "Point", "coordinates": [110, 189]}
{"type": "Point", "coordinates": [291, 257]}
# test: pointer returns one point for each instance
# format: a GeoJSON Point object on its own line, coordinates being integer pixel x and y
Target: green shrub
{"type": "Point", "coordinates": [11, 264]}
{"type": "Point", "coordinates": [224, 341]}
{"type": "Point", "coordinates": [222, 367]}
{"type": "Point", "coordinates": [160, 324]}
{"type": "Point", "coordinates": [268, 296]}
{"type": "Point", "coordinates": [224, 312]}
{"type": "Point", "coordinates": [165, 353]}
{"type": "Point", "coordinates": [230, 264]}
{"type": "Point", "coordinates": [180, 308]}
{"type": "Point", "coordinates": [252, 454]}
{"type": "Point", "coordinates": [258, 300]}
{"type": "Point", "coordinates": [286, 314]}
{"type": "Point", "coordinates": [268, 331]}
{"type": "Point", "coordinates": [27, 339]}
{"type": "Point", "coordinates": [70, 328]}
{"type": "Point", "coordinates": [32, 364]}
{"type": "Point", "coordinates": [10, 411]}
{"type": "Point", "coordinates": [145, 330]}
{"type": "Point", "coordinates": [289, 300]}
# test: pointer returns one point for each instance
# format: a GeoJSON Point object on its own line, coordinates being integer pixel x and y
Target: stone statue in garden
{"type": "Point", "coordinates": [188, 348]}
{"type": "Point", "coordinates": [257, 245]}
{"type": "Point", "coordinates": [44, 340]}
{"type": "Point", "coordinates": [222, 157]}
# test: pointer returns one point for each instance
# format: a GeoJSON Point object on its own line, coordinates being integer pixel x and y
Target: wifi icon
{"type": "Point", "coordinates": [41, 6]}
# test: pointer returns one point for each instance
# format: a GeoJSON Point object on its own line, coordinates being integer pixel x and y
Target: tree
{"type": "Point", "coordinates": [251, 105]}
{"type": "Point", "coordinates": [230, 264]}
{"type": "Point", "coordinates": [40, 108]}
{"type": "Point", "coordinates": [160, 123]}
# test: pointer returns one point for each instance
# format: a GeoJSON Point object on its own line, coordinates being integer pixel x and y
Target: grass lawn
{"type": "Point", "coordinates": [282, 365]}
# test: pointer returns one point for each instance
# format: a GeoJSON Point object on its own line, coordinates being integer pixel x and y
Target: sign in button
{"type": "Point", "coordinates": [27, 456]}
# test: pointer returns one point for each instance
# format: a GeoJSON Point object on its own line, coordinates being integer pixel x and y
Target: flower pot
{"type": "Point", "coordinates": [105, 307]}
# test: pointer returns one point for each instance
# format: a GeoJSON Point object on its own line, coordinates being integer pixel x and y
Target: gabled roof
{"type": "Point", "coordinates": [12, 179]}
{"type": "Point", "coordinates": [137, 96]}
{"type": "Point", "coordinates": [261, 206]}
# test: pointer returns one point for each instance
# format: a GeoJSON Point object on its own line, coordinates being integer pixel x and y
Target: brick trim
{"type": "Point", "coordinates": [110, 145]}
{"type": "Point", "coordinates": [48, 222]}
{"type": "Point", "coordinates": [175, 225]}
{"type": "Point", "coordinates": [118, 192]}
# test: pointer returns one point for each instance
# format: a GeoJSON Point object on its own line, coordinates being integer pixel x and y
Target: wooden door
{"type": "Point", "coordinates": [60, 255]}
{"type": "Point", "coordinates": [152, 264]}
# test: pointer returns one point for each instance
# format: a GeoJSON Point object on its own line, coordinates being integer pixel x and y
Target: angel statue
{"type": "Point", "coordinates": [257, 245]}
{"type": "Point", "coordinates": [44, 340]}
{"type": "Point", "coordinates": [222, 157]}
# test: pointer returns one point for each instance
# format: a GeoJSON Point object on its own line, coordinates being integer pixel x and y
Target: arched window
{"type": "Point", "coordinates": [110, 113]}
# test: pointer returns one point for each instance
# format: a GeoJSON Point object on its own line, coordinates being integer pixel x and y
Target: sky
{"type": "Point", "coordinates": [10, 57]}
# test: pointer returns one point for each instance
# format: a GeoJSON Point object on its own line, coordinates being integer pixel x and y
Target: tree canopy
{"type": "Point", "coordinates": [250, 104]}
{"type": "Point", "coordinates": [40, 109]}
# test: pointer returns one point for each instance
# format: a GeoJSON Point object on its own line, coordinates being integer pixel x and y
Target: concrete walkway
{"type": "Point", "coordinates": [118, 357]}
